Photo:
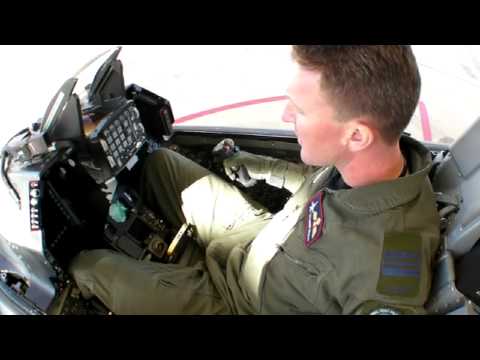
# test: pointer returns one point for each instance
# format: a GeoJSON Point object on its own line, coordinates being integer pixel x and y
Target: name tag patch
{"type": "Point", "coordinates": [314, 220]}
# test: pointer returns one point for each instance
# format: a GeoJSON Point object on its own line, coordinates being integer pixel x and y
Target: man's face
{"type": "Point", "coordinates": [319, 133]}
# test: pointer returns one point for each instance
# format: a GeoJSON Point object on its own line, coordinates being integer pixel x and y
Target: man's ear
{"type": "Point", "coordinates": [358, 136]}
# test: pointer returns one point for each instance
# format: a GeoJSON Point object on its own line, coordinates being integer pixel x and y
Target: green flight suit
{"type": "Point", "coordinates": [327, 251]}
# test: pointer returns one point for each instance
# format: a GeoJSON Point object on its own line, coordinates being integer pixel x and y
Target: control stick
{"type": "Point", "coordinates": [225, 149]}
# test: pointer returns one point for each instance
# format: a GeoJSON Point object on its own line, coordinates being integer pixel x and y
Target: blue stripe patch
{"type": "Point", "coordinates": [398, 272]}
{"type": "Point", "coordinates": [400, 264]}
{"type": "Point", "coordinates": [401, 268]}
{"type": "Point", "coordinates": [400, 254]}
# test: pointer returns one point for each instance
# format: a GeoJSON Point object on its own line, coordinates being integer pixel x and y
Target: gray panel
{"type": "Point", "coordinates": [466, 150]}
{"type": "Point", "coordinates": [459, 177]}
{"type": "Point", "coordinates": [13, 304]}
{"type": "Point", "coordinates": [444, 296]}
{"type": "Point", "coordinates": [466, 309]}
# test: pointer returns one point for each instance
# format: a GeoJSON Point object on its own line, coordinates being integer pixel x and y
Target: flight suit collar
{"type": "Point", "coordinates": [389, 194]}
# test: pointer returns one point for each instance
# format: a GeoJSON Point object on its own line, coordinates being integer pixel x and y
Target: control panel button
{"type": "Point", "coordinates": [111, 161]}
{"type": "Point", "coordinates": [131, 114]}
{"type": "Point", "coordinates": [104, 145]}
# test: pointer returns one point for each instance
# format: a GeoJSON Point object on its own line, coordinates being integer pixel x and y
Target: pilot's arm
{"type": "Point", "coordinates": [276, 172]}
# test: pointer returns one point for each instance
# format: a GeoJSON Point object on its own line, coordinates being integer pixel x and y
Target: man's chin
{"type": "Point", "coordinates": [304, 158]}
{"type": "Point", "coordinates": [309, 161]}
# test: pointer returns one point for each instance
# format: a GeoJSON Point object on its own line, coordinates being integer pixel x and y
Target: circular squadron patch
{"type": "Point", "coordinates": [384, 311]}
{"type": "Point", "coordinates": [314, 220]}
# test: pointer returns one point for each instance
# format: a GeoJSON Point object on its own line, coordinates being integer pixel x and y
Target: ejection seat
{"type": "Point", "coordinates": [456, 181]}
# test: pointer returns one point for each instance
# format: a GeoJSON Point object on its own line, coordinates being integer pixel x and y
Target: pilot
{"type": "Point", "coordinates": [357, 236]}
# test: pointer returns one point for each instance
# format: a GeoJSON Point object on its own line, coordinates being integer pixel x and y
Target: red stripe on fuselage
{"type": "Point", "coordinates": [425, 120]}
{"type": "Point", "coordinates": [228, 107]}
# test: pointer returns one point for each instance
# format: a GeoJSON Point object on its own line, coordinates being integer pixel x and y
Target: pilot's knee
{"type": "Point", "coordinates": [159, 157]}
{"type": "Point", "coordinates": [157, 161]}
{"type": "Point", "coordinates": [94, 272]}
{"type": "Point", "coordinates": [85, 264]}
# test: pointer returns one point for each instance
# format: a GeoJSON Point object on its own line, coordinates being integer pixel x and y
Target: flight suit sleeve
{"type": "Point", "coordinates": [276, 172]}
{"type": "Point", "coordinates": [288, 175]}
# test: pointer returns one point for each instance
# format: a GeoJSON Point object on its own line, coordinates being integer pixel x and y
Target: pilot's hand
{"type": "Point", "coordinates": [243, 163]}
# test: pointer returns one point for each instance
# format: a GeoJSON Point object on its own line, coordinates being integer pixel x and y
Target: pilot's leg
{"type": "Point", "coordinates": [129, 286]}
{"type": "Point", "coordinates": [184, 191]}
{"type": "Point", "coordinates": [165, 175]}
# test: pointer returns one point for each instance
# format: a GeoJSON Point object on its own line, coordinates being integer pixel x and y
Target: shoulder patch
{"type": "Point", "coordinates": [374, 307]}
{"type": "Point", "coordinates": [314, 219]}
{"type": "Point", "coordinates": [384, 311]}
{"type": "Point", "coordinates": [400, 269]}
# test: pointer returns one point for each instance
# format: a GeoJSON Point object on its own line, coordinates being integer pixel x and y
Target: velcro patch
{"type": "Point", "coordinates": [314, 220]}
{"type": "Point", "coordinates": [400, 269]}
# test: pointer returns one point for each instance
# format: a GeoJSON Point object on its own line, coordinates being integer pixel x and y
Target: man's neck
{"type": "Point", "coordinates": [374, 165]}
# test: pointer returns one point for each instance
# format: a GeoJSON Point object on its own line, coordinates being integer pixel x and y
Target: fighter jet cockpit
{"type": "Point", "coordinates": [74, 173]}
{"type": "Point", "coordinates": [75, 176]}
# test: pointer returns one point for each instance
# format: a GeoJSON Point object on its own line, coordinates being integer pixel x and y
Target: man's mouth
{"type": "Point", "coordinates": [298, 137]}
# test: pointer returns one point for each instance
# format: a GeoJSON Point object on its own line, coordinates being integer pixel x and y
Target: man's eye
{"type": "Point", "coordinates": [298, 110]}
